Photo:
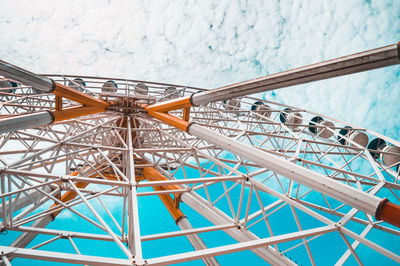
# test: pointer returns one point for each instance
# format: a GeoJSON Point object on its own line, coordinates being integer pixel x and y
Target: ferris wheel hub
{"type": "Point", "coordinates": [129, 105]}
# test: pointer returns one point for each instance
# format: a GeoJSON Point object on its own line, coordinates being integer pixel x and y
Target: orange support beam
{"type": "Point", "coordinates": [167, 200]}
{"type": "Point", "coordinates": [75, 112]}
{"type": "Point", "coordinates": [172, 205]}
{"type": "Point", "coordinates": [186, 113]}
{"type": "Point", "coordinates": [170, 105]}
{"type": "Point", "coordinates": [152, 174]}
{"type": "Point", "coordinates": [91, 105]}
{"type": "Point", "coordinates": [389, 213]}
{"type": "Point", "coordinates": [58, 103]}
{"type": "Point", "coordinates": [160, 111]}
{"type": "Point", "coordinates": [171, 120]}
{"type": "Point", "coordinates": [77, 96]}
{"type": "Point", "coordinates": [149, 173]}
{"type": "Point", "coordinates": [69, 195]}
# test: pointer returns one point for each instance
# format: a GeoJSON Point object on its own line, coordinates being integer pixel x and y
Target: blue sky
{"type": "Point", "coordinates": [213, 43]}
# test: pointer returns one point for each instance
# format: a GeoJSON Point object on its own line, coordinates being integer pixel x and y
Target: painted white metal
{"type": "Point", "coordinates": [25, 238]}
{"type": "Point", "coordinates": [62, 257]}
{"type": "Point", "coordinates": [190, 181]}
{"type": "Point", "coordinates": [26, 199]}
{"type": "Point", "coordinates": [28, 78]}
{"type": "Point", "coordinates": [368, 60]}
{"type": "Point", "coordinates": [195, 240]}
{"type": "Point", "coordinates": [241, 235]}
{"type": "Point", "coordinates": [372, 245]}
{"type": "Point", "coordinates": [103, 223]}
{"type": "Point", "coordinates": [25, 121]}
{"type": "Point", "coordinates": [54, 232]}
{"type": "Point", "coordinates": [189, 256]}
{"type": "Point", "coordinates": [334, 189]}
{"type": "Point", "coordinates": [229, 185]}
{"type": "Point", "coordinates": [6, 261]}
{"type": "Point", "coordinates": [187, 232]}
{"type": "Point", "coordinates": [134, 239]}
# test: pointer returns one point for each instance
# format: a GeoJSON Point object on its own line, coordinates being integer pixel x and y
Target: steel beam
{"type": "Point", "coordinates": [26, 77]}
{"type": "Point", "coordinates": [53, 232]}
{"type": "Point", "coordinates": [134, 238]}
{"type": "Point", "coordinates": [25, 121]}
{"type": "Point", "coordinates": [342, 192]}
{"type": "Point", "coordinates": [367, 60]}
{"type": "Point", "coordinates": [190, 181]}
{"type": "Point", "coordinates": [24, 200]}
{"type": "Point", "coordinates": [370, 244]}
{"type": "Point", "coordinates": [195, 240]}
{"type": "Point", "coordinates": [217, 217]}
{"type": "Point", "coordinates": [187, 232]}
{"type": "Point", "coordinates": [25, 238]}
{"type": "Point", "coordinates": [62, 257]}
{"type": "Point", "coordinates": [189, 256]}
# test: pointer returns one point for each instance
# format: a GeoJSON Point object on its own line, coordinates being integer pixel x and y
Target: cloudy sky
{"type": "Point", "coordinates": [214, 43]}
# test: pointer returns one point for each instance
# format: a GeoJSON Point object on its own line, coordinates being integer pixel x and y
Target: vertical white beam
{"type": "Point", "coordinates": [103, 223]}
{"type": "Point", "coordinates": [5, 260]}
{"type": "Point", "coordinates": [134, 239]}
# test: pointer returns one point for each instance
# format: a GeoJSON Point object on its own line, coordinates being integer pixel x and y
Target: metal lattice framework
{"type": "Point", "coordinates": [235, 174]}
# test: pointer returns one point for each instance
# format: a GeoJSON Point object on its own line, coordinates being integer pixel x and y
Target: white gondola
{"type": "Point", "coordinates": [171, 93]}
{"type": "Point", "coordinates": [261, 109]}
{"type": "Point", "coordinates": [142, 89]}
{"type": "Point", "coordinates": [78, 84]}
{"type": "Point", "coordinates": [358, 137]}
{"type": "Point", "coordinates": [294, 120]}
{"type": "Point", "coordinates": [354, 136]}
{"type": "Point", "coordinates": [232, 105]}
{"type": "Point", "coordinates": [327, 131]}
{"type": "Point", "coordinates": [283, 114]}
{"type": "Point", "coordinates": [321, 127]}
{"type": "Point", "coordinates": [109, 87]}
{"type": "Point", "coordinates": [7, 86]}
{"type": "Point", "coordinates": [264, 110]}
{"type": "Point", "coordinates": [375, 146]}
{"type": "Point", "coordinates": [390, 155]}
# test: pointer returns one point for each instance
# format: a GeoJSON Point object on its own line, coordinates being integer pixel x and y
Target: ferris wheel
{"type": "Point", "coordinates": [99, 171]}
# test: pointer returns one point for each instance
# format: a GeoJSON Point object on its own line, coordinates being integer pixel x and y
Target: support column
{"type": "Point", "coordinates": [134, 239]}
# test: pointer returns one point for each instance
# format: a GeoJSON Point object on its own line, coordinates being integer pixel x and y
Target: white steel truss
{"type": "Point", "coordinates": [287, 185]}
